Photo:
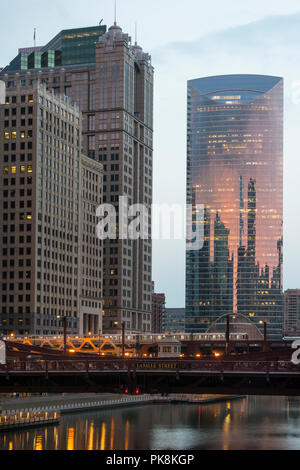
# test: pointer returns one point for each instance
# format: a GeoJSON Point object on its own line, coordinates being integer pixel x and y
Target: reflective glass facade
{"type": "Point", "coordinates": [235, 169]}
{"type": "Point", "coordinates": [69, 47]}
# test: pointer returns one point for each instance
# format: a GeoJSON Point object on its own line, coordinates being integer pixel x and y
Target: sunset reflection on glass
{"type": "Point", "coordinates": [235, 169]}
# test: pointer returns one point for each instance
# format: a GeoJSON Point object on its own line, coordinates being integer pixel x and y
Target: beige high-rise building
{"type": "Point", "coordinates": [91, 257]}
{"type": "Point", "coordinates": [44, 209]}
{"type": "Point", "coordinates": [111, 80]}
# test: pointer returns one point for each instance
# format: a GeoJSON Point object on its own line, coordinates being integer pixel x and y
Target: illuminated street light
{"type": "Point", "coordinates": [64, 319]}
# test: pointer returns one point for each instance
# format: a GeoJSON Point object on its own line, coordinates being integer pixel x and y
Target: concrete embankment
{"type": "Point", "coordinates": [86, 402]}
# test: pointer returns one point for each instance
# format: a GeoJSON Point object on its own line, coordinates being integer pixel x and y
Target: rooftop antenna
{"type": "Point", "coordinates": [34, 37]}
{"type": "Point", "coordinates": [136, 33]}
{"type": "Point", "coordinates": [100, 22]}
{"type": "Point", "coordinates": [115, 12]}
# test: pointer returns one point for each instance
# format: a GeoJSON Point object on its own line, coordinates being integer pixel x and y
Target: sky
{"type": "Point", "coordinates": [187, 39]}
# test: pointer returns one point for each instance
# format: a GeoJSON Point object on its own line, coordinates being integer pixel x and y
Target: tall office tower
{"type": "Point", "coordinates": [158, 311]}
{"type": "Point", "coordinates": [174, 320]}
{"type": "Point", "coordinates": [112, 82]}
{"type": "Point", "coordinates": [40, 235]}
{"type": "Point", "coordinates": [235, 170]}
{"type": "Point", "coordinates": [292, 312]}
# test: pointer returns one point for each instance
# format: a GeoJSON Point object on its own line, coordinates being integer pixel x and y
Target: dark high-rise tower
{"type": "Point", "coordinates": [235, 169]}
{"type": "Point", "coordinates": [111, 80]}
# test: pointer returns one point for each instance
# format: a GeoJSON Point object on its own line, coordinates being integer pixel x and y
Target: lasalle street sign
{"type": "Point", "coordinates": [157, 365]}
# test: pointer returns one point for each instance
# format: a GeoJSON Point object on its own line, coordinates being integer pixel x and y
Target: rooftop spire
{"type": "Point", "coordinates": [115, 23]}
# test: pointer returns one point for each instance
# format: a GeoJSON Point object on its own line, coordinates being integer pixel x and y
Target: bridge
{"type": "Point", "coordinates": [227, 376]}
{"type": "Point", "coordinates": [191, 345]}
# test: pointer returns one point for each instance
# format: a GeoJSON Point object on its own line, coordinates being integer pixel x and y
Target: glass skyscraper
{"type": "Point", "coordinates": [235, 169]}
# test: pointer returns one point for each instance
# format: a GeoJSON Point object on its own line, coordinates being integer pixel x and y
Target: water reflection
{"type": "Point", "coordinates": [253, 423]}
{"type": "Point", "coordinates": [103, 435]}
{"type": "Point", "coordinates": [91, 436]}
{"type": "Point", "coordinates": [112, 434]}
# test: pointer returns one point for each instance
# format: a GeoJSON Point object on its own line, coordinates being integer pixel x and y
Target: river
{"type": "Point", "coordinates": [251, 423]}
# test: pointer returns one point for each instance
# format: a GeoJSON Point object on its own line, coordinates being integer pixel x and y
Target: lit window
{"type": "Point", "coordinates": [6, 135]}
{"type": "Point", "coordinates": [22, 168]}
{"type": "Point", "coordinates": [14, 169]}
{"type": "Point", "coordinates": [14, 135]}
{"type": "Point", "coordinates": [29, 169]}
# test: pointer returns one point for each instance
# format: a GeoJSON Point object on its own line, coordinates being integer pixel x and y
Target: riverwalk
{"type": "Point", "coordinates": [67, 403]}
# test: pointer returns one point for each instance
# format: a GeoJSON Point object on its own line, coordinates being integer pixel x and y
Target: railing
{"type": "Point", "coordinates": [52, 412]}
{"type": "Point", "coordinates": [14, 418]}
{"type": "Point", "coordinates": [165, 365]}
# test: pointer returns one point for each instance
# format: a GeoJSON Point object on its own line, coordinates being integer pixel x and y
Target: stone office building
{"type": "Point", "coordinates": [43, 201]}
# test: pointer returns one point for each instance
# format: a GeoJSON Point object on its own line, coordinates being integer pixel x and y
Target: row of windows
{"type": "Point", "coordinates": [13, 169]}
{"type": "Point", "coordinates": [113, 157]}
{"type": "Point", "coordinates": [91, 304]}
{"type": "Point", "coordinates": [12, 83]}
{"type": "Point", "coordinates": [23, 99]}
{"type": "Point", "coordinates": [13, 123]}
{"type": "Point", "coordinates": [20, 286]}
{"type": "Point", "coordinates": [14, 321]}
{"type": "Point", "coordinates": [22, 111]}
{"type": "Point", "coordinates": [21, 206]}
{"type": "Point", "coordinates": [12, 298]}
{"type": "Point", "coordinates": [13, 158]}
{"type": "Point", "coordinates": [12, 228]}
{"type": "Point", "coordinates": [12, 181]}
{"type": "Point", "coordinates": [13, 147]}
{"type": "Point", "coordinates": [21, 240]}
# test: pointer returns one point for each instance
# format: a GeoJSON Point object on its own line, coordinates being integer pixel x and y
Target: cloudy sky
{"type": "Point", "coordinates": [188, 39]}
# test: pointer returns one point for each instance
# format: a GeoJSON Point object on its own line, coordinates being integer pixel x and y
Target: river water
{"type": "Point", "coordinates": [251, 423]}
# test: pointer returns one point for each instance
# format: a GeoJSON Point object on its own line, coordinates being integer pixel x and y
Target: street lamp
{"type": "Point", "coordinates": [227, 335]}
{"type": "Point", "coordinates": [64, 319]}
{"type": "Point", "coordinates": [123, 340]}
{"type": "Point", "coordinates": [265, 348]}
